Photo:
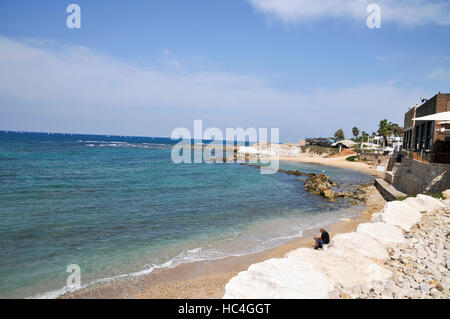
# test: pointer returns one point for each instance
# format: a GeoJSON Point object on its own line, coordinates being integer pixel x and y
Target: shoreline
{"type": "Point", "coordinates": [207, 279]}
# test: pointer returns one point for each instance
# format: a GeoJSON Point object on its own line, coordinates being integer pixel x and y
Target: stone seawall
{"type": "Point", "coordinates": [386, 190]}
{"type": "Point", "coordinates": [415, 177]}
{"type": "Point", "coordinates": [404, 252]}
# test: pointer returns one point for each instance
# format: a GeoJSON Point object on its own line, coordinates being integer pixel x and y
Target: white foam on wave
{"type": "Point", "coordinates": [123, 144]}
{"type": "Point", "coordinates": [227, 248]}
{"type": "Point", "coordinates": [188, 256]}
{"type": "Point", "coordinates": [59, 292]}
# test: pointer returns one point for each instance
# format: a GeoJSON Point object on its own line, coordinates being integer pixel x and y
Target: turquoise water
{"type": "Point", "coordinates": [118, 205]}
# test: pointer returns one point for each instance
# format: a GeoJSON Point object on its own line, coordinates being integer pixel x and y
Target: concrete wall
{"type": "Point", "coordinates": [374, 158]}
{"type": "Point", "coordinates": [413, 177]}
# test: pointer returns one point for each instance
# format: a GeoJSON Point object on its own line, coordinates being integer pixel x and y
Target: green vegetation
{"type": "Point", "coordinates": [339, 134]}
{"type": "Point", "coordinates": [385, 129]}
{"type": "Point", "coordinates": [438, 195]}
{"type": "Point", "coordinates": [352, 158]}
{"type": "Point", "coordinates": [397, 130]}
{"type": "Point", "coordinates": [365, 135]}
{"type": "Point", "coordinates": [355, 132]}
{"type": "Point", "coordinates": [400, 198]}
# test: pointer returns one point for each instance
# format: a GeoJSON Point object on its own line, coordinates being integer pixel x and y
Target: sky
{"type": "Point", "coordinates": [144, 68]}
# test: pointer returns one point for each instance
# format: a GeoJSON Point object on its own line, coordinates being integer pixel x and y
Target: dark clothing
{"type": "Point", "coordinates": [325, 237]}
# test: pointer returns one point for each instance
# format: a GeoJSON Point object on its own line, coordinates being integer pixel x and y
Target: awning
{"type": "Point", "coordinates": [443, 116]}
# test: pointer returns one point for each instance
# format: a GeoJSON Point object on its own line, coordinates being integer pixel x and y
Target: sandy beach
{"type": "Point", "coordinates": [337, 161]}
{"type": "Point", "coordinates": [207, 279]}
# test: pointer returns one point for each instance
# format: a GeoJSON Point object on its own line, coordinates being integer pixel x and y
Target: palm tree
{"type": "Point", "coordinates": [339, 134]}
{"type": "Point", "coordinates": [365, 136]}
{"type": "Point", "coordinates": [397, 130]}
{"type": "Point", "coordinates": [385, 130]}
{"type": "Point", "coordinates": [355, 132]}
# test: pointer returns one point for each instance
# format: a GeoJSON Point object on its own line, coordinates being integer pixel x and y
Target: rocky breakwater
{"type": "Point", "coordinates": [404, 252]}
{"type": "Point", "coordinates": [322, 184]}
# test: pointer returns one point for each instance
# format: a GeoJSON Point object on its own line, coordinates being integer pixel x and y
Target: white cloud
{"type": "Point", "coordinates": [167, 59]}
{"type": "Point", "coordinates": [406, 12]}
{"type": "Point", "coordinates": [75, 89]}
{"type": "Point", "coordinates": [395, 56]}
{"type": "Point", "coordinates": [439, 74]}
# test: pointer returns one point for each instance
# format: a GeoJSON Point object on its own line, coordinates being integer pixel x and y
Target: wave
{"type": "Point", "coordinates": [184, 257]}
{"type": "Point", "coordinates": [199, 254]}
{"type": "Point", "coordinates": [89, 143]}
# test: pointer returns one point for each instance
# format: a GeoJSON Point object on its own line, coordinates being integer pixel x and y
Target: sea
{"type": "Point", "coordinates": [118, 206]}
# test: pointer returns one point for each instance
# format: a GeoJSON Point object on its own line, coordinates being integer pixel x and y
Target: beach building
{"type": "Point", "coordinates": [427, 130]}
{"type": "Point", "coordinates": [344, 143]}
{"type": "Point", "coordinates": [425, 160]}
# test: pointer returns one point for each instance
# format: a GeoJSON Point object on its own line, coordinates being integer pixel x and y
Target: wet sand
{"type": "Point", "coordinates": [207, 279]}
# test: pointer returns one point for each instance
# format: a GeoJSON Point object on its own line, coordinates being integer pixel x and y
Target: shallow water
{"type": "Point", "coordinates": [118, 205]}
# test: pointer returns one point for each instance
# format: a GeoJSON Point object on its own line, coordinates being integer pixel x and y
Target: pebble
{"type": "Point", "coordinates": [421, 268]}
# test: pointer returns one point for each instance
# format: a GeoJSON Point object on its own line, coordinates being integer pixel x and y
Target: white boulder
{"type": "Point", "coordinates": [446, 194]}
{"type": "Point", "coordinates": [358, 243]}
{"type": "Point", "coordinates": [352, 259]}
{"type": "Point", "coordinates": [375, 217]}
{"type": "Point", "coordinates": [425, 203]}
{"type": "Point", "coordinates": [387, 235]}
{"type": "Point", "coordinates": [279, 278]}
{"type": "Point", "coordinates": [400, 213]}
{"type": "Point", "coordinates": [342, 266]}
{"type": "Point", "coordinates": [446, 202]}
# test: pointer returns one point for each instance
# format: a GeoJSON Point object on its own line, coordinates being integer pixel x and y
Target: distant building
{"type": "Point", "coordinates": [344, 143]}
{"type": "Point", "coordinates": [379, 144]}
{"type": "Point", "coordinates": [428, 141]}
{"type": "Point", "coordinates": [425, 164]}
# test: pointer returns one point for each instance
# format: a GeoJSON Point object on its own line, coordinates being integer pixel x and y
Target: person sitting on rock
{"type": "Point", "coordinates": [323, 239]}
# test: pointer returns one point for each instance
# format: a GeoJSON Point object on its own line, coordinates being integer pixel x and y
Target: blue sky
{"type": "Point", "coordinates": [307, 67]}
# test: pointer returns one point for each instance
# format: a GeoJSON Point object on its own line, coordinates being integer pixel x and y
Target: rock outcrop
{"type": "Point", "coordinates": [360, 244]}
{"type": "Point", "coordinates": [400, 213]}
{"type": "Point", "coordinates": [446, 194]}
{"type": "Point", "coordinates": [385, 234]}
{"type": "Point", "coordinates": [293, 278]}
{"type": "Point", "coordinates": [338, 264]}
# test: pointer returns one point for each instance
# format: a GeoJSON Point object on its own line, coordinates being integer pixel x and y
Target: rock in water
{"type": "Point", "coordinates": [329, 194]}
